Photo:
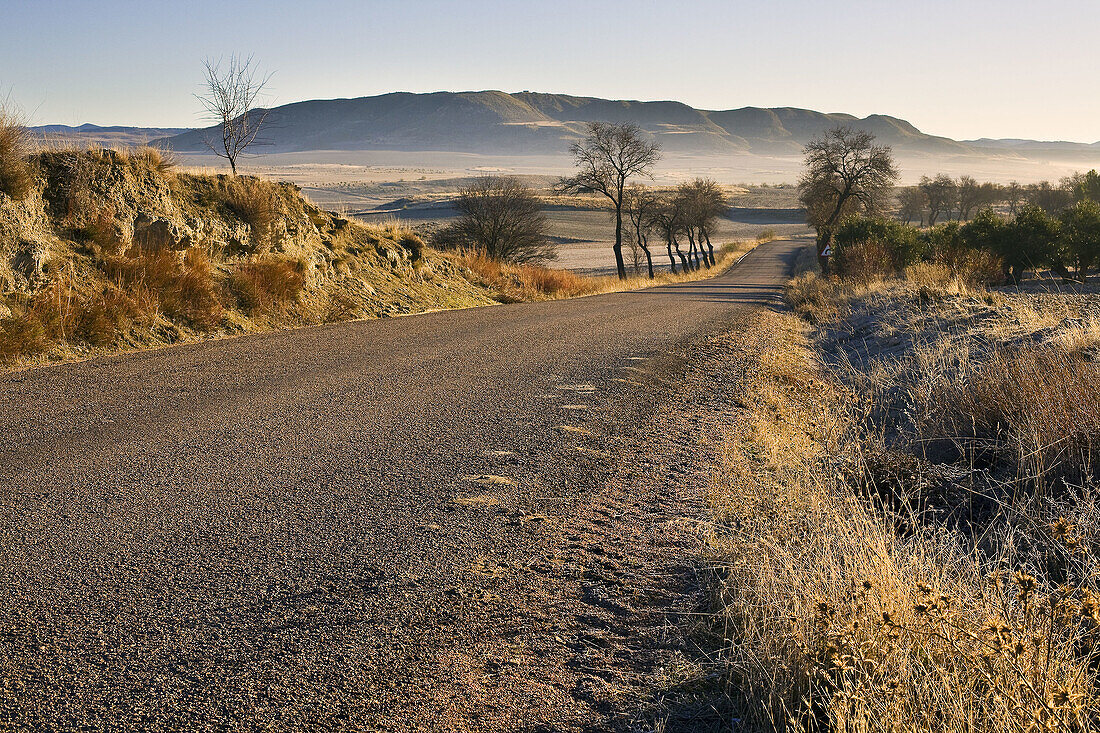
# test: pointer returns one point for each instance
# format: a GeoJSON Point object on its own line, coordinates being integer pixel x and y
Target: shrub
{"type": "Point", "coordinates": [20, 335]}
{"type": "Point", "coordinates": [501, 217]}
{"type": "Point", "coordinates": [180, 287]}
{"type": "Point", "coordinates": [898, 243]}
{"type": "Point", "coordinates": [865, 262]}
{"type": "Point", "coordinates": [253, 202]}
{"type": "Point", "coordinates": [16, 169]}
{"type": "Point", "coordinates": [160, 160]}
{"type": "Point", "coordinates": [260, 286]}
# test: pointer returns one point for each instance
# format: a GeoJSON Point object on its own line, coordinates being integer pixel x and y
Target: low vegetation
{"type": "Point", "coordinates": [501, 218]}
{"type": "Point", "coordinates": [906, 518]}
{"type": "Point", "coordinates": [990, 249]}
{"type": "Point", "coordinates": [942, 197]}
{"type": "Point", "coordinates": [16, 172]}
{"type": "Point", "coordinates": [117, 249]}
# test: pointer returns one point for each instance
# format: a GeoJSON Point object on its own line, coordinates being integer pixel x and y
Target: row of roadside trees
{"type": "Point", "coordinates": [503, 218]}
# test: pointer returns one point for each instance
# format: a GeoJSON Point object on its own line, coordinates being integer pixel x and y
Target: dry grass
{"type": "Point", "coordinates": [162, 160]}
{"type": "Point", "coordinates": [20, 336]}
{"type": "Point", "coordinates": [263, 285]}
{"type": "Point", "coordinates": [517, 283]}
{"type": "Point", "coordinates": [253, 201]}
{"type": "Point", "coordinates": [16, 169]}
{"type": "Point", "coordinates": [179, 286]}
{"type": "Point", "coordinates": [75, 309]}
{"type": "Point", "coordinates": [840, 616]}
{"type": "Point", "coordinates": [1036, 408]}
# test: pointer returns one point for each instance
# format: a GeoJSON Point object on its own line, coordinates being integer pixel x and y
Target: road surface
{"type": "Point", "coordinates": [353, 526]}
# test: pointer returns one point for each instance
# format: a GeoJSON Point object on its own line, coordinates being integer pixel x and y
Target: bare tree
{"type": "Point", "coordinates": [609, 156]}
{"type": "Point", "coordinates": [1050, 198]}
{"type": "Point", "coordinates": [703, 203]}
{"type": "Point", "coordinates": [229, 98]}
{"type": "Point", "coordinates": [911, 202]}
{"type": "Point", "coordinates": [668, 218]}
{"type": "Point", "coordinates": [1013, 196]}
{"type": "Point", "coordinates": [641, 205]}
{"type": "Point", "coordinates": [970, 196]}
{"type": "Point", "coordinates": [501, 217]}
{"type": "Point", "coordinates": [940, 193]}
{"type": "Point", "coordinates": [845, 172]}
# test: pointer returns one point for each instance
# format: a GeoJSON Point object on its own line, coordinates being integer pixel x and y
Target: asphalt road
{"type": "Point", "coordinates": [289, 531]}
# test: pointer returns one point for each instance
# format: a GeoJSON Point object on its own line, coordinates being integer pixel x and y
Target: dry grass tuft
{"type": "Point", "coordinates": [20, 336]}
{"type": "Point", "coordinates": [517, 283]}
{"type": "Point", "coordinates": [16, 168]}
{"type": "Point", "coordinates": [1037, 407]}
{"type": "Point", "coordinates": [161, 160]}
{"type": "Point", "coordinates": [817, 299]}
{"type": "Point", "coordinates": [165, 282]}
{"type": "Point", "coordinates": [253, 201]}
{"type": "Point", "coordinates": [263, 285]}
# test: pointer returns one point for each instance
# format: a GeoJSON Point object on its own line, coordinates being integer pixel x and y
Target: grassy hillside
{"type": "Point", "coordinates": [108, 250]}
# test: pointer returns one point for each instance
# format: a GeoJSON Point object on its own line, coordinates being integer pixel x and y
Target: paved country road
{"type": "Point", "coordinates": [364, 525]}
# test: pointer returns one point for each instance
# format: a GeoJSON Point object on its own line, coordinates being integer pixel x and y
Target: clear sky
{"type": "Point", "coordinates": [961, 68]}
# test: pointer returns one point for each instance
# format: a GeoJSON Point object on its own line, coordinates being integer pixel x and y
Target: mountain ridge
{"type": "Point", "coordinates": [537, 122]}
{"type": "Point", "coordinates": [494, 121]}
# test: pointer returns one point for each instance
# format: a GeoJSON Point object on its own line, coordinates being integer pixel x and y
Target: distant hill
{"type": "Point", "coordinates": [89, 134]}
{"type": "Point", "coordinates": [528, 122]}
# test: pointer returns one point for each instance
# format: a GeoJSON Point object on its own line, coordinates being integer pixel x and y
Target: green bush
{"type": "Point", "coordinates": [899, 243]}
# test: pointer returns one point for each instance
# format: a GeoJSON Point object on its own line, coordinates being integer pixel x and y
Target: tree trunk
{"type": "Point", "coordinates": [619, 264]}
{"type": "Point", "coordinates": [648, 257]}
{"type": "Point", "coordinates": [710, 247]}
{"type": "Point", "coordinates": [693, 254]}
{"type": "Point", "coordinates": [680, 254]}
{"type": "Point", "coordinates": [671, 258]}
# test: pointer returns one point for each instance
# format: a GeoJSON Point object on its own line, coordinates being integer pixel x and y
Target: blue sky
{"type": "Point", "coordinates": [964, 69]}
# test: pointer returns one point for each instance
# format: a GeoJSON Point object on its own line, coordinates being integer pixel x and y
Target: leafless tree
{"type": "Point", "coordinates": [845, 172]}
{"type": "Point", "coordinates": [941, 193]}
{"type": "Point", "coordinates": [232, 88]}
{"type": "Point", "coordinates": [668, 218]}
{"type": "Point", "coordinates": [502, 217]}
{"type": "Point", "coordinates": [969, 196]}
{"type": "Point", "coordinates": [609, 156]}
{"type": "Point", "coordinates": [641, 206]}
{"type": "Point", "coordinates": [911, 202]}
{"type": "Point", "coordinates": [1013, 195]}
{"type": "Point", "coordinates": [1050, 198]}
{"type": "Point", "coordinates": [703, 203]}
